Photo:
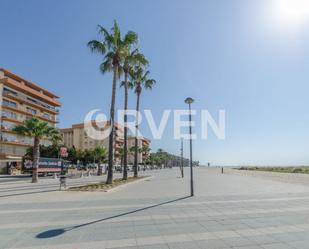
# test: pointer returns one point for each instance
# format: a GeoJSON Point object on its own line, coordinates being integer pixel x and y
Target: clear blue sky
{"type": "Point", "coordinates": [234, 55]}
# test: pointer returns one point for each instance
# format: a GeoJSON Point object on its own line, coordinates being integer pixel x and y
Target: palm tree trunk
{"type": "Point", "coordinates": [99, 168]}
{"type": "Point", "coordinates": [125, 135]}
{"type": "Point", "coordinates": [136, 141]}
{"type": "Point", "coordinates": [109, 179]}
{"type": "Point", "coordinates": [36, 157]}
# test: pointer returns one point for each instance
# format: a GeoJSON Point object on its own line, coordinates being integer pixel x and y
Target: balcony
{"type": "Point", "coordinates": [146, 142]}
{"type": "Point", "coordinates": [5, 128]}
{"type": "Point", "coordinates": [5, 114]}
{"type": "Point", "coordinates": [23, 99]}
{"type": "Point", "coordinates": [119, 140]}
{"type": "Point", "coordinates": [25, 112]}
{"type": "Point", "coordinates": [30, 91]}
{"type": "Point", "coordinates": [14, 120]}
{"type": "Point", "coordinates": [117, 146]}
{"type": "Point", "coordinates": [11, 149]}
{"type": "Point", "coordinates": [18, 142]}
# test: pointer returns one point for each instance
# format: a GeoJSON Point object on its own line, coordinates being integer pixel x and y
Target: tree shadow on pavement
{"type": "Point", "coordinates": [59, 231]}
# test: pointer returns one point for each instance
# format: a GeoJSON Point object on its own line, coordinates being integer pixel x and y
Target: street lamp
{"type": "Point", "coordinates": [181, 162]}
{"type": "Point", "coordinates": [189, 101]}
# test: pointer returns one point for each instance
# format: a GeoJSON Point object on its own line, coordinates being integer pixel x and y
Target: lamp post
{"type": "Point", "coordinates": [181, 162]}
{"type": "Point", "coordinates": [189, 101]}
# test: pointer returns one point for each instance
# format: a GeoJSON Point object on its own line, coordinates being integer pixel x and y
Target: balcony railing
{"type": "Point", "coordinates": [24, 98]}
{"type": "Point", "coordinates": [13, 150]}
{"type": "Point", "coordinates": [16, 141]}
{"type": "Point", "coordinates": [43, 116]}
{"type": "Point", "coordinates": [8, 115]}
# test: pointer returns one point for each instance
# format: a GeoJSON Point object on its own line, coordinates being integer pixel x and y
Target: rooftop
{"type": "Point", "coordinates": [28, 83]}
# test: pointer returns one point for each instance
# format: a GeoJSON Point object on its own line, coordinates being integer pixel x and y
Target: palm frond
{"type": "Point", "coordinates": [35, 127]}
{"type": "Point", "coordinates": [140, 60]}
{"type": "Point", "coordinates": [107, 65]}
{"type": "Point", "coordinates": [21, 130]}
{"type": "Point", "coordinates": [121, 52]}
{"type": "Point", "coordinates": [56, 138]}
{"type": "Point", "coordinates": [149, 83]}
{"type": "Point", "coordinates": [116, 35]}
{"type": "Point", "coordinates": [107, 37]}
{"type": "Point", "coordinates": [135, 59]}
{"type": "Point", "coordinates": [103, 31]}
{"type": "Point", "coordinates": [130, 85]}
{"type": "Point", "coordinates": [145, 76]}
{"type": "Point", "coordinates": [131, 38]}
{"type": "Point", "coordinates": [140, 79]}
{"type": "Point", "coordinates": [97, 46]}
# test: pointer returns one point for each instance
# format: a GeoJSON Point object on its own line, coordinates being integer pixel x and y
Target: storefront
{"type": "Point", "coordinates": [11, 165]}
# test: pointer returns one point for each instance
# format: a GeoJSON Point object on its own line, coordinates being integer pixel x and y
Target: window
{"type": "Point", "coordinates": [41, 103]}
{"type": "Point", "coordinates": [32, 100]}
{"type": "Point", "coordinates": [9, 103]}
{"type": "Point", "coordinates": [15, 138]}
{"type": "Point", "coordinates": [30, 110]}
{"type": "Point", "coordinates": [46, 115]}
{"type": "Point", "coordinates": [9, 91]}
{"type": "Point", "coordinates": [5, 125]}
{"type": "Point", "coordinates": [8, 114]}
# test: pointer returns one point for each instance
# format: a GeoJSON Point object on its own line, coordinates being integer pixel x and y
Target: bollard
{"type": "Point", "coordinates": [222, 170]}
{"type": "Point", "coordinates": [63, 182]}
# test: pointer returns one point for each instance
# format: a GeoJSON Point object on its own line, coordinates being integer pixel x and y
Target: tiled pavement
{"type": "Point", "coordinates": [228, 211]}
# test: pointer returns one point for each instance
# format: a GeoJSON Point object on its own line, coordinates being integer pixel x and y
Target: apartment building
{"type": "Point", "coordinates": [78, 137]}
{"type": "Point", "coordinates": [21, 99]}
{"type": "Point", "coordinates": [141, 142]}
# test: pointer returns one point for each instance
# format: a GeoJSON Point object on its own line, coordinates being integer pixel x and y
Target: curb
{"type": "Point", "coordinates": [126, 184]}
{"type": "Point", "coordinates": [116, 187]}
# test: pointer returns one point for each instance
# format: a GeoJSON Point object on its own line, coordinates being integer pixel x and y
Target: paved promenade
{"type": "Point", "coordinates": [228, 211]}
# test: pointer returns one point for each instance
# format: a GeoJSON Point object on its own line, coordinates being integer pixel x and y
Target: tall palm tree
{"type": "Point", "coordinates": [132, 59]}
{"type": "Point", "coordinates": [114, 49]}
{"type": "Point", "coordinates": [139, 80]}
{"type": "Point", "coordinates": [38, 130]}
{"type": "Point", "coordinates": [100, 154]}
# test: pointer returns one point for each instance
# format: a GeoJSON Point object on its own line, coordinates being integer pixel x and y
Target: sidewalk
{"type": "Point", "coordinates": [228, 211]}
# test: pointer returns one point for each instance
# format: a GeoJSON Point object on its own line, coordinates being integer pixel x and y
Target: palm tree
{"type": "Point", "coordinates": [56, 139]}
{"type": "Point", "coordinates": [145, 150]}
{"type": "Point", "coordinates": [139, 80]}
{"type": "Point", "coordinates": [163, 156]}
{"type": "Point", "coordinates": [37, 129]}
{"type": "Point", "coordinates": [132, 59]}
{"type": "Point", "coordinates": [121, 156]}
{"type": "Point", "coordinates": [114, 49]}
{"type": "Point", "coordinates": [100, 154]}
{"type": "Point", "coordinates": [131, 152]}
{"type": "Point", "coordinates": [80, 158]}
